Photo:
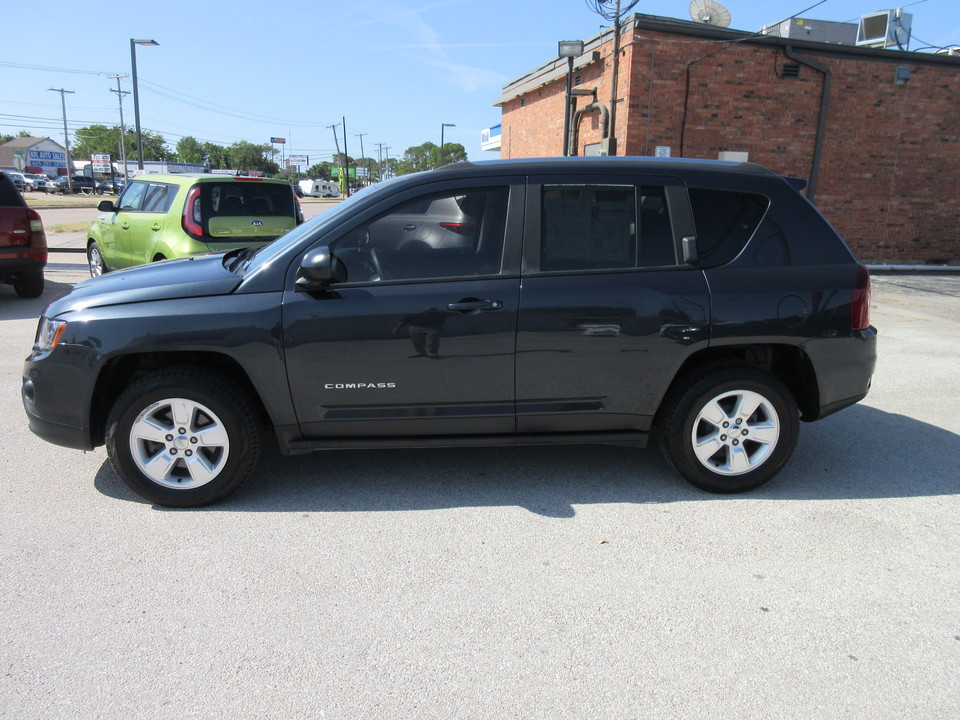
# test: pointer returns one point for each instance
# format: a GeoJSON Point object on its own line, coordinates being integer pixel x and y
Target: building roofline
{"type": "Point", "coordinates": [557, 68]}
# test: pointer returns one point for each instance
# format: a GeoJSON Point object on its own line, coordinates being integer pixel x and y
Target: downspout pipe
{"type": "Point", "coordinates": [575, 129]}
{"type": "Point", "coordinates": [822, 122]}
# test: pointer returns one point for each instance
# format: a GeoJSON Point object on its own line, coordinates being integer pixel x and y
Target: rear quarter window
{"type": "Point", "coordinates": [725, 221]}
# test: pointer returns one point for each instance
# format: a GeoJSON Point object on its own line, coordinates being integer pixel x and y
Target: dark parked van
{"type": "Point", "coordinates": [705, 305]}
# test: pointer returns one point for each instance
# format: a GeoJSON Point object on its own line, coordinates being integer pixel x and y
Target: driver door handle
{"type": "Point", "coordinates": [470, 305]}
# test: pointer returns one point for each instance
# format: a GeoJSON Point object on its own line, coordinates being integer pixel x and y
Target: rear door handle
{"type": "Point", "coordinates": [472, 305]}
{"type": "Point", "coordinates": [409, 227]}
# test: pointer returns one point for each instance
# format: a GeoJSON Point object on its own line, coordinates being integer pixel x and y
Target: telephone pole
{"type": "Point", "coordinates": [66, 139]}
{"type": "Point", "coordinates": [123, 131]}
{"type": "Point", "coordinates": [360, 135]}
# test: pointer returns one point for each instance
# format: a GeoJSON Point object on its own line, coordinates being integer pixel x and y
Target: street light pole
{"type": "Point", "coordinates": [442, 127]}
{"type": "Point", "coordinates": [123, 130]}
{"type": "Point", "coordinates": [569, 49]}
{"type": "Point", "coordinates": [136, 96]}
{"type": "Point", "coordinates": [66, 139]}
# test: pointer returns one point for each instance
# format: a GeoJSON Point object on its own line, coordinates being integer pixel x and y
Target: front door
{"type": "Point", "coordinates": [416, 341]}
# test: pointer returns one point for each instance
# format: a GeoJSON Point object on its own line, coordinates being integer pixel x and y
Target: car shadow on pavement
{"type": "Point", "coordinates": [862, 453]}
{"type": "Point", "coordinates": [13, 307]}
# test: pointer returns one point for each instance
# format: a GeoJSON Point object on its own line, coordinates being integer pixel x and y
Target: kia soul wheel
{"type": "Point", "coordinates": [182, 437]}
{"type": "Point", "coordinates": [731, 429]}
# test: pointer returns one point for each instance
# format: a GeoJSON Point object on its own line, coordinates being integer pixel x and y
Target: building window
{"type": "Point", "coordinates": [790, 71]}
{"type": "Point", "coordinates": [523, 102]}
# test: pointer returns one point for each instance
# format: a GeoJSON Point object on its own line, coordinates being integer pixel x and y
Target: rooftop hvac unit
{"type": "Point", "coordinates": [890, 28]}
{"type": "Point", "coordinates": [827, 31]}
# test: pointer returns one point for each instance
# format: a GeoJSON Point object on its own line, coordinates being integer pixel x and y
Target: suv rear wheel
{"type": "Point", "coordinates": [30, 286]}
{"type": "Point", "coordinates": [729, 429]}
{"type": "Point", "coordinates": [182, 437]}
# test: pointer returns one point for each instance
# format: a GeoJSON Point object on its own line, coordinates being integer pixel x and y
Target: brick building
{"type": "Point", "coordinates": [875, 132]}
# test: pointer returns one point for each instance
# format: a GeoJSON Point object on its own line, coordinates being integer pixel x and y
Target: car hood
{"type": "Point", "coordinates": [198, 276]}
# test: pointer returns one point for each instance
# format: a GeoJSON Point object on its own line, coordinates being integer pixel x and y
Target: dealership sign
{"type": "Point", "coordinates": [47, 158]}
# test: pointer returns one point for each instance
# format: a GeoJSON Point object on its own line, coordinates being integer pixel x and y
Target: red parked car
{"type": "Point", "coordinates": [23, 244]}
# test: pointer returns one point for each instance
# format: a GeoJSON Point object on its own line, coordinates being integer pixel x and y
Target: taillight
{"type": "Point", "coordinates": [458, 228]}
{"type": "Point", "coordinates": [38, 238]}
{"type": "Point", "coordinates": [860, 300]}
{"type": "Point", "coordinates": [192, 215]}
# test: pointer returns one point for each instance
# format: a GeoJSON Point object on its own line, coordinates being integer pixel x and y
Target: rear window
{"type": "Point", "coordinates": [233, 199]}
{"type": "Point", "coordinates": [725, 220]}
{"type": "Point", "coordinates": [9, 195]}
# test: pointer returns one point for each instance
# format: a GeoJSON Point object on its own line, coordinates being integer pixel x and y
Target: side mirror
{"type": "Point", "coordinates": [688, 247]}
{"type": "Point", "coordinates": [106, 206]}
{"type": "Point", "coordinates": [319, 269]}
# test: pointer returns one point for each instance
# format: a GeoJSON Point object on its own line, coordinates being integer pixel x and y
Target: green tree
{"type": "Point", "coordinates": [101, 139]}
{"type": "Point", "coordinates": [190, 150]}
{"type": "Point", "coordinates": [217, 156]}
{"type": "Point", "coordinates": [319, 171]}
{"type": "Point", "coordinates": [419, 158]}
{"type": "Point", "coordinates": [247, 156]}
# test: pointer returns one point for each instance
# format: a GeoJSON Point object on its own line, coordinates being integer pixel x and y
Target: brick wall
{"type": "Point", "coordinates": [888, 174]}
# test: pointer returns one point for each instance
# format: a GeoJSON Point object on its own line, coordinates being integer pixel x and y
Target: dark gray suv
{"type": "Point", "coordinates": [704, 305]}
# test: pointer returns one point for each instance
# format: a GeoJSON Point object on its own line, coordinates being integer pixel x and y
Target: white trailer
{"type": "Point", "coordinates": [320, 188]}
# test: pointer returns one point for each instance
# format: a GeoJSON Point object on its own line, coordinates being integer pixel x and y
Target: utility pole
{"type": "Point", "coordinates": [66, 139]}
{"type": "Point", "coordinates": [346, 159]}
{"type": "Point", "coordinates": [339, 156]}
{"type": "Point", "coordinates": [380, 147]}
{"type": "Point", "coordinates": [360, 135]}
{"type": "Point", "coordinates": [123, 131]}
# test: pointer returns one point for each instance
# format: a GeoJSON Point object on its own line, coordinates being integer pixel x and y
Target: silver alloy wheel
{"type": "Point", "coordinates": [96, 261]}
{"type": "Point", "coordinates": [735, 432]}
{"type": "Point", "coordinates": [179, 443]}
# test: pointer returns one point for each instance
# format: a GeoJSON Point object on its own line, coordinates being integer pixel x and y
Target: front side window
{"type": "Point", "coordinates": [605, 227]}
{"type": "Point", "coordinates": [455, 234]}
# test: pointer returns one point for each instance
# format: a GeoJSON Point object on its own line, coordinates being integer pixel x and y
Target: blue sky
{"type": "Point", "coordinates": [395, 69]}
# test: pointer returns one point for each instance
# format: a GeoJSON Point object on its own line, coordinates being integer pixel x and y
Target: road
{"type": "Point", "coordinates": [573, 582]}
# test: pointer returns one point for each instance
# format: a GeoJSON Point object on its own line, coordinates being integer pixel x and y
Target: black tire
{"type": "Point", "coordinates": [700, 435]}
{"type": "Point", "coordinates": [95, 260]}
{"type": "Point", "coordinates": [195, 432]}
{"type": "Point", "coordinates": [30, 286]}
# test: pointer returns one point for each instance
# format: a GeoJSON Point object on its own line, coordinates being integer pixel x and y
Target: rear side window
{"type": "Point", "coordinates": [9, 195]}
{"type": "Point", "coordinates": [158, 197]}
{"type": "Point", "coordinates": [605, 227]}
{"type": "Point", "coordinates": [244, 199]}
{"type": "Point", "coordinates": [725, 220]}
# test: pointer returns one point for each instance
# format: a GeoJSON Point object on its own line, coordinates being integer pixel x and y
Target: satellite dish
{"type": "Point", "coordinates": [709, 12]}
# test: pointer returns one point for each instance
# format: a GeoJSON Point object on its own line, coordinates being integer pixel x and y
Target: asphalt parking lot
{"type": "Point", "coordinates": [573, 582]}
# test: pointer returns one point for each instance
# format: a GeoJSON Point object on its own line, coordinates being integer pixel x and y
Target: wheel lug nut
{"type": "Point", "coordinates": [173, 451]}
{"type": "Point", "coordinates": [169, 438]}
{"type": "Point", "coordinates": [745, 432]}
{"type": "Point", "coordinates": [193, 441]}
{"type": "Point", "coordinates": [736, 442]}
{"type": "Point", "coordinates": [723, 438]}
{"type": "Point", "coordinates": [183, 431]}
{"type": "Point", "coordinates": [726, 424]}
{"type": "Point", "coordinates": [188, 453]}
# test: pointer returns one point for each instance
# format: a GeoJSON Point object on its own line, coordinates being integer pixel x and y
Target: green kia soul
{"type": "Point", "coordinates": [173, 216]}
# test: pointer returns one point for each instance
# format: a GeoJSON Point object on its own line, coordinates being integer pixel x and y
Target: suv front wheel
{"type": "Point", "coordinates": [183, 437]}
{"type": "Point", "coordinates": [729, 429]}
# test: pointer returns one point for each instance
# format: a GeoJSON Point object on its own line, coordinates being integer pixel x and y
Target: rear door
{"type": "Point", "coordinates": [607, 312]}
{"type": "Point", "coordinates": [415, 342]}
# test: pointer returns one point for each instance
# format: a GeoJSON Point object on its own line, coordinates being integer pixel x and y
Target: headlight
{"type": "Point", "coordinates": [48, 334]}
